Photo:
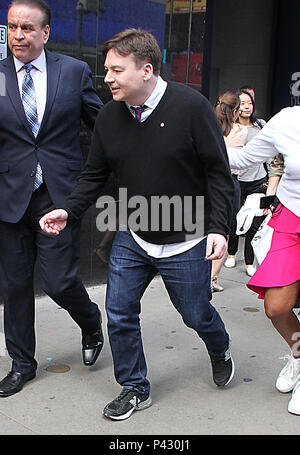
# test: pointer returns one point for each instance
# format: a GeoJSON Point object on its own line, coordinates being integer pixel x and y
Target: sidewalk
{"type": "Point", "coordinates": [185, 399]}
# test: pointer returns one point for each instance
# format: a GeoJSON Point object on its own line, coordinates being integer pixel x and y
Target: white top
{"type": "Point", "coordinates": [280, 135]}
{"type": "Point", "coordinates": [258, 171]}
{"type": "Point", "coordinates": [154, 250]}
{"type": "Point", "coordinates": [153, 99]}
{"type": "Point", "coordinates": [39, 77]}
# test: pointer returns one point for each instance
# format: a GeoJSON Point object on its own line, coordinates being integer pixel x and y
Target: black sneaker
{"type": "Point", "coordinates": [123, 406]}
{"type": "Point", "coordinates": [222, 368]}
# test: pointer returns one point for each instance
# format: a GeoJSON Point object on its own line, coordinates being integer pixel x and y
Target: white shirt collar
{"type": "Point", "coordinates": [39, 63]}
{"type": "Point", "coordinates": [157, 93]}
{"type": "Point", "coordinates": [155, 96]}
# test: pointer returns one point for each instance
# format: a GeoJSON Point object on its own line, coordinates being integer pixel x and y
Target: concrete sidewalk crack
{"type": "Point", "coordinates": [17, 422]}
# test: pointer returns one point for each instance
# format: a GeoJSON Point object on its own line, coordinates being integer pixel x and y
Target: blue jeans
{"type": "Point", "coordinates": [187, 280]}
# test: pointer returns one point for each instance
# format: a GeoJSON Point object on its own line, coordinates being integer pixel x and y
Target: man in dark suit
{"type": "Point", "coordinates": [46, 96]}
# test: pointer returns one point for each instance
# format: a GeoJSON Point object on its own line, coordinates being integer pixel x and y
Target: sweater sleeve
{"type": "Point", "coordinates": [211, 148]}
{"type": "Point", "coordinates": [92, 179]}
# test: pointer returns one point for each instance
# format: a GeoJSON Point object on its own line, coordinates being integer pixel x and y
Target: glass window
{"type": "Point", "coordinates": [184, 37]}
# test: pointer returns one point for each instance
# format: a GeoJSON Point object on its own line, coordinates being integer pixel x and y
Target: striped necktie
{"type": "Point", "coordinates": [138, 112]}
{"type": "Point", "coordinates": [30, 108]}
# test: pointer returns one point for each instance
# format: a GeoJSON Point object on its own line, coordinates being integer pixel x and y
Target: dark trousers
{"type": "Point", "coordinates": [187, 280]}
{"type": "Point", "coordinates": [20, 244]}
{"type": "Point", "coordinates": [236, 205]}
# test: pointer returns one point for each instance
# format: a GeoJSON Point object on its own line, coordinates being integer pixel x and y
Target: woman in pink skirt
{"type": "Point", "coordinates": [277, 280]}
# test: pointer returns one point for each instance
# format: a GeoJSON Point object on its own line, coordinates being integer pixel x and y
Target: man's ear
{"type": "Point", "coordinates": [46, 33]}
{"type": "Point", "coordinates": [148, 71]}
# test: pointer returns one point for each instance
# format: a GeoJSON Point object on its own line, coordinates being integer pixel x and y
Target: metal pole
{"type": "Point", "coordinates": [187, 74]}
{"type": "Point", "coordinates": [97, 33]}
{"type": "Point", "coordinates": [170, 23]}
{"type": "Point", "coordinates": [79, 9]}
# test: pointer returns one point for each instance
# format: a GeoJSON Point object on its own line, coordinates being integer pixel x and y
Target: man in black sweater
{"type": "Point", "coordinates": [165, 146]}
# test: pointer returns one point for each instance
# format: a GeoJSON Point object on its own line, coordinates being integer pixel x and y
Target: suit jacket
{"type": "Point", "coordinates": [70, 98]}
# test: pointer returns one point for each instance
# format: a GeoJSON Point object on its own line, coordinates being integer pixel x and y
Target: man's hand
{"type": "Point", "coordinates": [54, 222]}
{"type": "Point", "coordinates": [216, 246]}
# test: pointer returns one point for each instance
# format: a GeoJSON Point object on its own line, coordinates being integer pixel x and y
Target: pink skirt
{"type": "Point", "coordinates": [281, 266]}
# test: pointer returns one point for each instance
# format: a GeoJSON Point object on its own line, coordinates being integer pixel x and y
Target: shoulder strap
{"type": "Point", "coordinates": [259, 123]}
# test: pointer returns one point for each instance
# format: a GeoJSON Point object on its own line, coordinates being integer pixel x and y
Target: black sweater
{"type": "Point", "coordinates": [178, 150]}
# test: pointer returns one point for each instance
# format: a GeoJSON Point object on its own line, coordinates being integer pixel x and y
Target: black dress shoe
{"type": "Point", "coordinates": [14, 382]}
{"type": "Point", "coordinates": [92, 345]}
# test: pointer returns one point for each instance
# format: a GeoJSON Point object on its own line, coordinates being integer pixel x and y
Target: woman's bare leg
{"type": "Point", "coordinates": [279, 304]}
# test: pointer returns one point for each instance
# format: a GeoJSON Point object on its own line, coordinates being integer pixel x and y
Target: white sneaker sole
{"type": "Point", "coordinates": [293, 410]}
{"type": "Point", "coordinates": [232, 373]}
{"type": "Point", "coordinates": [285, 390]}
{"type": "Point", "coordinates": [143, 405]}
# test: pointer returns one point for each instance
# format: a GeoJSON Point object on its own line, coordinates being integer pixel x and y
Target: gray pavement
{"type": "Point", "coordinates": [185, 399]}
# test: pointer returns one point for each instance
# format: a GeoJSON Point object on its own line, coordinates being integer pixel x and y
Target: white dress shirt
{"type": "Point", "coordinates": [39, 77]}
{"type": "Point", "coordinates": [154, 250]}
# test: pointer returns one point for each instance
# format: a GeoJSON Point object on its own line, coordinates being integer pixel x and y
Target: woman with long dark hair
{"type": "Point", "coordinates": [235, 135]}
{"type": "Point", "coordinates": [252, 180]}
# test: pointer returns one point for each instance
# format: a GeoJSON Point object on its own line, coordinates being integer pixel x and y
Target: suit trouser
{"type": "Point", "coordinates": [20, 244]}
